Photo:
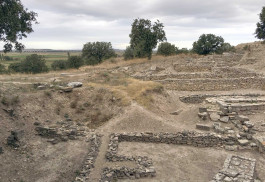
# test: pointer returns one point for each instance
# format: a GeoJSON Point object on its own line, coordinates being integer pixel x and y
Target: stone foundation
{"type": "Point", "coordinates": [238, 169]}
{"type": "Point", "coordinates": [95, 142]}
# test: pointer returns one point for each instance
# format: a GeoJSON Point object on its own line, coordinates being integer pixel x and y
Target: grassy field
{"type": "Point", "coordinates": [50, 57]}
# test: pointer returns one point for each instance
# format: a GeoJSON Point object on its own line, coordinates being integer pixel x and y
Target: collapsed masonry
{"type": "Point", "coordinates": [238, 169]}
{"type": "Point", "coordinates": [228, 109]}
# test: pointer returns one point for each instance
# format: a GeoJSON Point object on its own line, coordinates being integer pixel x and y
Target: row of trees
{"type": "Point", "coordinates": [92, 53]}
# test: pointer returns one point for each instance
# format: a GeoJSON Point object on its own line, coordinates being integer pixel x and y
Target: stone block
{"type": "Point", "coordinates": [202, 109]}
{"type": "Point", "coordinates": [203, 127]}
{"type": "Point", "coordinates": [242, 118]}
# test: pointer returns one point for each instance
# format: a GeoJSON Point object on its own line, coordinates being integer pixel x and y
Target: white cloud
{"type": "Point", "coordinates": [66, 24]}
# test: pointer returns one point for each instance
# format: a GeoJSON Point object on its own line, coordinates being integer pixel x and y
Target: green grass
{"type": "Point", "coordinates": [50, 57]}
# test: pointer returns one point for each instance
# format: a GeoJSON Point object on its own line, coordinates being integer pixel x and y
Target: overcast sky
{"type": "Point", "coordinates": [68, 24]}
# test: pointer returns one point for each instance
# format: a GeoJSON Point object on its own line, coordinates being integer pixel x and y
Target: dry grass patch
{"type": "Point", "coordinates": [129, 89]}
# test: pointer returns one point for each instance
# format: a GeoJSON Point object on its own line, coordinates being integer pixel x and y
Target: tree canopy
{"type": "Point", "coordinates": [208, 43]}
{"type": "Point", "coordinates": [166, 49]}
{"type": "Point", "coordinates": [96, 52]}
{"type": "Point", "coordinates": [260, 30]}
{"type": "Point", "coordinates": [15, 23]}
{"type": "Point", "coordinates": [145, 37]}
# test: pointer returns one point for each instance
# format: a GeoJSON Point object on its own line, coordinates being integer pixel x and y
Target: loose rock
{"type": "Point", "coordinates": [75, 84]}
{"type": "Point", "coordinates": [214, 117]}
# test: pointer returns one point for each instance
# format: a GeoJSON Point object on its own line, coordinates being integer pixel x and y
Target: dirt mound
{"type": "Point", "coordinates": [253, 58]}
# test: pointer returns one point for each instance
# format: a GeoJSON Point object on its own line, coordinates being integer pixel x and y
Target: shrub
{"type": "Point", "coordinates": [59, 65]}
{"type": "Point", "coordinates": [182, 51]}
{"type": "Point", "coordinates": [7, 58]}
{"type": "Point", "coordinates": [166, 49]}
{"type": "Point", "coordinates": [32, 64]}
{"type": "Point", "coordinates": [228, 47]}
{"type": "Point", "coordinates": [2, 69]}
{"type": "Point", "coordinates": [14, 67]}
{"type": "Point", "coordinates": [96, 52]}
{"type": "Point", "coordinates": [75, 62]}
{"type": "Point", "coordinates": [128, 53]}
{"type": "Point", "coordinates": [91, 61]}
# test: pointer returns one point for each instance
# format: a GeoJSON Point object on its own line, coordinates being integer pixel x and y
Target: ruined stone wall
{"type": "Point", "coordinates": [214, 84]}
{"type": "Point", "coordinates": [199, 98]}
{"type": "Point", "coordinates": [193, 68]}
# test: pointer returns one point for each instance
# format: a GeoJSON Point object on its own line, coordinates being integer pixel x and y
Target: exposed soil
{"type": "Point", "coordinates": [116, 98]}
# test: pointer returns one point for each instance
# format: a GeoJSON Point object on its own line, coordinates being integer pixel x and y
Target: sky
{"type": "Point", "coordinates": [69, 24]}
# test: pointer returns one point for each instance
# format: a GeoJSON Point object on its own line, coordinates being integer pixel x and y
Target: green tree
{"type": "Point", "coordinates": [15, 23]}
{"type": "Point", "coordinates": [166, 49]}
{"type": "Point", "coordinates": [260, 30]}
{"type": "Point", "coordinates": [96, 52]}
{"type": "Point", "coordinates": [128, 53]}
{"type": "Point", "coordinates": [75, 62]}
{"type": "Point", "coordinates": [145, 37]}
{"type": "Point", "coordinates": [208, 43]}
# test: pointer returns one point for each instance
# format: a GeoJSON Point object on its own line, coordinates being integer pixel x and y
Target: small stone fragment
{"type": "Point", "coordinates": [176, 112]}
{"type": "Point", "coordinates": [243, 142]}
{"type": "Point", "coordinates": [224, 119]}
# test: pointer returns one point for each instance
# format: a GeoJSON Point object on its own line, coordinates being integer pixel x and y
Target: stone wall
{"type": "Point", "coordinates": [214, 84]}
{"type": "Point", "coordinates": [192, 68]}
{"type": "Point", "coordinates": [199, 98]}
{"type": "Point", "coordinates": [217, 73]}
{"type": "Point", "coordinates": [95, 142]}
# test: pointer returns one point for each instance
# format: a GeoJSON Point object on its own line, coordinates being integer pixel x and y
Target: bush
{"type": "Point", "coordinates": [166, 49]}
{"type": "Point", "coordinates": [7, 58]}
{"type": "Point", "coordinates": [2, 69]}
{"type": "Point", "coordinates": [96, 52]}
{"type": "Point", "coordinates": [182, 51]}
{"type": "Point", "coordinates": [128, 53]}
{"type": "Point", "coordinates": [91, 61]}
{"type": "Point", "coordinates": [59, 65]}
{"type": "Point", "coordinates": [208, 43]}
{"type": "Point", "coordinates": [14, 67]}
{"type": "Point", "coordinates": [32, 64]}
{"type": "Point", "coordinates": [228, 47]}
{"type": "Point", "coordinates": [75, 62]}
